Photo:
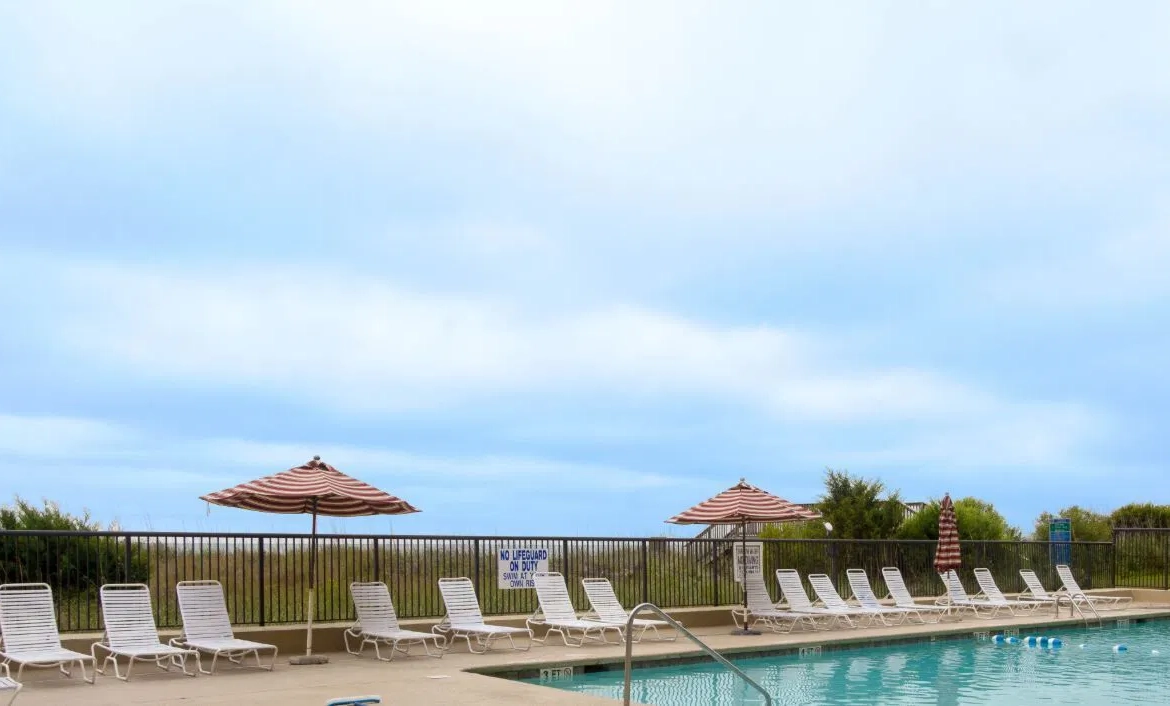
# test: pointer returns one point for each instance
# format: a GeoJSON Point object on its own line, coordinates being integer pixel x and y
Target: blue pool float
{"type": "Point", "coordinates": [354, 701]}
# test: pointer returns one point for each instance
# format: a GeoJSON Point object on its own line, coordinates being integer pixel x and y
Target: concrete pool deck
{"type": "Point", "coordinates": [438, 682]}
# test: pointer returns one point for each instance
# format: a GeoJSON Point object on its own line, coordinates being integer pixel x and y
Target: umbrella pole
{"type": "Point", "coordinates": [308, 657]}
{"type": "Point", "coordinates": [310, 609]}
{"type": "Point", "coordinates": [743, 584]}
{"type": "Point", "coordinates": [743, 572]}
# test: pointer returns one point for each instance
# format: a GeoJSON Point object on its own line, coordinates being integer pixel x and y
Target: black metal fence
{"type": "Point", "coordinates": [265, 576]}
{"type": "Point", "coordinates": [1142, 558]}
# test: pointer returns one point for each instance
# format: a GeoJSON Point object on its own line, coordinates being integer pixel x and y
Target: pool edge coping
{"type": "Point", "coordinates": [845, 642]}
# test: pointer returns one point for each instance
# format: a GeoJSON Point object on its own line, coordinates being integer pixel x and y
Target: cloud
{"type": "Point", "coordinates": [693, 107]}
{"type": "Point", "coordinates": [50, 437]}
{"type": "Point", "coordinates": [1036, 437]}
{"type": "Point", "coordinates": [66, 444]}
{"type": "Point", "coordinates": [1117, 270]}
{"type": "Point", "coordinates": [363, 345]}
{"type": "Point", "coordinates": [419, 468]}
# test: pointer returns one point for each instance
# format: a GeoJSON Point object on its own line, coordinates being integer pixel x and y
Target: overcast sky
{"type": "Point", "coordinates": [571, 268]}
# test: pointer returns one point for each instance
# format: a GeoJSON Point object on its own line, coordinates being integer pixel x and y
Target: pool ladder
{"type": "Point", "coordinates": [1075, 605]}
{"type": "Point", "coordinates": [642, 607]}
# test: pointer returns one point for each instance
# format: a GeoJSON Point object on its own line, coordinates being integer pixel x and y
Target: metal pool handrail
{"type": "Point", "coordinates": [690, 636]}
{"type": "Point", "coordinates": [1075, 605]}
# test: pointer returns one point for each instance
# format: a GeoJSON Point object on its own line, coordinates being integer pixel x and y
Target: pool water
{"type": "Point", "coordinates": [1086, 670]}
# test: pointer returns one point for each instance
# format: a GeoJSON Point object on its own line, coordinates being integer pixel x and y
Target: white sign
{"type": "Point", "coordinates": [518, 564]}
{"type": "Point", "coordinates": [556, 674]}
{"type": "Point", "coordinates": [755, 559]}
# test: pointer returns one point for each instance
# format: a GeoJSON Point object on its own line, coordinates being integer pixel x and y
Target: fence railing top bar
{"type": "Point", "coordinates": [293, 535]}
{"type": "Point", "coordinates": [1142, 530]}
{"type": "Point", "coordinates": [123, 534]}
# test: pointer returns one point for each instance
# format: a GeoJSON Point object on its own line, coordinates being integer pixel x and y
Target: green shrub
{"type": "Point", "coordinates": [67, 563]}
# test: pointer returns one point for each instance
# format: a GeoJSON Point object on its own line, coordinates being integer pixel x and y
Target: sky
{"type": "Point", "coordinates": [570, 268]}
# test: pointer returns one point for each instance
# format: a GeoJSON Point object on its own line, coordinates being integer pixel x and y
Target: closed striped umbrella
{"type": "Point", "coordinates": [738, 505]}
{"type": "Point", "coordinates": [315, 488]}
{"type": "Point", "coordinates": [946, 557]}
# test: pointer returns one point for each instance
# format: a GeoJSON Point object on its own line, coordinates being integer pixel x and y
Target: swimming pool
{"type": "Point", "coordinates": [967, 671]}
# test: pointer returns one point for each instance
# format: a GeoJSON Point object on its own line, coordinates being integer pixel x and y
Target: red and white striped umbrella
{"type": "Point", "coordinates": [946, 557]}
{"type": "Point", "coordinates": [740, 504]}
{"type": "Point", "coordinates": [315, 488]}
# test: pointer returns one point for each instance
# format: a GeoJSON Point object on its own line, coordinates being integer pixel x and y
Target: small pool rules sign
{"type": "Point", "coordinates": [517, 565]}
{"type": "Point", "coordinates": [755, 559]}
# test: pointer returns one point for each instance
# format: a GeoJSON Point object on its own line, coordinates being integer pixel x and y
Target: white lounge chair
{"type": "Point", "coordinates": [28, 628]}
{"type": "Point", "coordinates": [131, 632]}
{"type": "Point", "coordinates": [896, 587]}
{"type": "Point", "coordinates": [761, 610]}
{"type": "Point", "coordinates": [798, 601]}
{"type": "Point", "coordinates": [1034, 588]}
{"type": "Point", "coordinates": [7, 683]}
{"type": "Point", "coordinates": [207, 627]}
{"type": "Point", "coordinates": [605, 606]}
{"type": "Point", "coordinates": [1073, 590]}
{"type": "Point", "coordinates": [557, 615]}
{"type": "Point", "coordinates": [827, 594]}
{"type": "Point", "coordinates": [377, 624]}
{"type": "Point", "coordinates": [866, 598]}
{"type": "Point", "coordinates": [958, 598]}
{"type": "Point", "coordinates": [989, 589]}
{"type": "Point", "coordinates": [465, 620]}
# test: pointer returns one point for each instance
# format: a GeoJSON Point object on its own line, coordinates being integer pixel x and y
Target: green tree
{"type": "Point", "coordinates": [859, 508]}
{"type": "Point", "coordinates": [977, 519]}
{"type": "Point", "coordinates": [1142, 515]}
{"type": "Point", "coordinates": [1087, 526]}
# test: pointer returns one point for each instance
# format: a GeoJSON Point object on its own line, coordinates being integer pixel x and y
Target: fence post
{"type": "Point", "coordinates": [1113, 556]}
{"type": "Point", "coordinates": [565, 559]}
{"type": "Point", "coordinates": [377, 560]}
{"type": "Point", "coordinates": [645, 570]}
{"type": "Point", "coordinates": [715, 569]}
{"type": "Point", "coordinates": [475, 563]}
{"type": "Point", "coordinates": [126, 567]}
{"type": "Point", "coordinates": [260, 562]}
{"type": "Point", "coordinates": [1165, 561]}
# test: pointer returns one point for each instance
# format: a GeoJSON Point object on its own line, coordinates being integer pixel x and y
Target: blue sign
{"type": "Point", "coordinates": [1059, 540]}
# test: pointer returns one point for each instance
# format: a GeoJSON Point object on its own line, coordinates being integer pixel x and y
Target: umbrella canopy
{"type": "Point", "coordinates": [740, 504]}
{"type": "Point", "coordinates": [315, 487]}
{"type": "Point", "coordinates": [946, 557]}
